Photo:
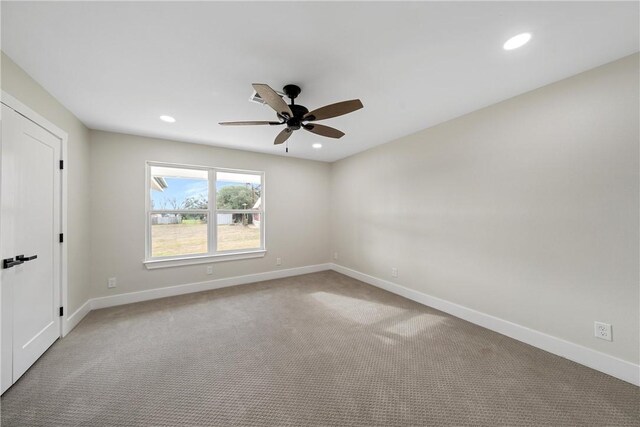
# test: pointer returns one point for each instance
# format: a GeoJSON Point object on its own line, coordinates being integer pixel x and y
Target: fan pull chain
{"type": "Point", "coordinates": [287, 146]}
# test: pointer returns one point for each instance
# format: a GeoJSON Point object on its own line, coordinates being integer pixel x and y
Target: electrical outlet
{"type": "Point", "coordinates": [335, 256]}
{"type": "Point", "coordinates": [602, 331]}
{"type": "Point", "coordinates": [209, 269]}
{"type": "Point", "coordinates": [394, 272]}
{"type": "Point", "coordinates": [111, 283]}
{"type": "Point", "coordinates": [278, 261]}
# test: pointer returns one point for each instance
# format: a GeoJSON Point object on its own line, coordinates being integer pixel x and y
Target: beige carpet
{"type": "Point", "coordinates": [320, 349]}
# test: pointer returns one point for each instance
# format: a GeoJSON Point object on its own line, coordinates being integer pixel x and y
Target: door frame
{"type": "Point", "coordinates": [36, 118]}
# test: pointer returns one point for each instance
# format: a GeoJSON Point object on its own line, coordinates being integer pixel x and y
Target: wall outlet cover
{"type": "Point", "coordinates": [603, 331]}
{"type": "Point", "coordinates": [278, 261]}
{"type": "Point", "coordinates": [111, 282]}
{"type": "Point", "coordinates": [209, 269]}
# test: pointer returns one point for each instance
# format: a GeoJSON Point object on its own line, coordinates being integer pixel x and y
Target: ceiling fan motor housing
{"type": "Point", "coordinates": [298, 111]}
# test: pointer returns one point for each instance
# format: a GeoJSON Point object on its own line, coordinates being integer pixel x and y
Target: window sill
{"type": "Point", "coordinates": [205, 259]}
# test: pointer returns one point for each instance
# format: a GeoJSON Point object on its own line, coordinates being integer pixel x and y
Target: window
{"type": "Point", "coordinates": [199, 214]}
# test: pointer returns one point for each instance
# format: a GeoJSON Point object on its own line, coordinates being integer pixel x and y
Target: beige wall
{"type": "Point", "coordinates": [297, 212]}
{"type": "Point", "coordinates": [526, 210]}
{"type": "Point", "coordinates": [18, 84]}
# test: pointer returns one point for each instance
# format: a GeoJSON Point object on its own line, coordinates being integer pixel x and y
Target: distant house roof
{"type": "Point", "coordinates": [258, 202]}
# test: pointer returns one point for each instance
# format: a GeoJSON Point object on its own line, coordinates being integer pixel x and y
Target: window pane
{"type": "Point", "coordinates": [238, 231]}
{"type": "Point", "coordinates": [178, 189]}
{"type": "Point", "coordinates": [178, 234]}
{"type": "Point", "coordinates": [238, 190]}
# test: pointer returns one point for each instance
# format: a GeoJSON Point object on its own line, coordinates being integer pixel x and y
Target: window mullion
{"type": "Point", "coordinates": [180, 211]}
{"type": "Point", "coordinates": [232, 212]}
{"type": "Point", "coordinates": [213, 222]}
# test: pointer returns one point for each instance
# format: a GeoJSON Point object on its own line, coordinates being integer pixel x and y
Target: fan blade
{"type": "Point", "coordinates": [334, 110]}
{"type": "Point", "coordinates": [273, 99]}
{"type": "Point", "coordinates": [324, 130]}
{"type": "Point", "coordinates": [249, 123]}
{"type": "Point", "coordinates": [283, 136]}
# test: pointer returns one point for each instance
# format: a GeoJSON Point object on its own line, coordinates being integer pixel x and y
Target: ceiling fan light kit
{"type": "Point", "coordinates": [296, 116]}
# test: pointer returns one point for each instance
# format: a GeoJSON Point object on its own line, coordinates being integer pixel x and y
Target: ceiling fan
{"type": "Point", "coordinates": [297, 116]}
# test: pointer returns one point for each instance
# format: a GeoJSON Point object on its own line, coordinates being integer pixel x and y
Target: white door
{"type": "Point", "coordinates": [30, 196]}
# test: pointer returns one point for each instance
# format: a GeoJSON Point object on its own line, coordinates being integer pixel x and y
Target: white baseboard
{"type": "Point", "coordinates": [602, 362]}
{"type": "Point", "coordinates": [71, 321]}
{"type": "Point", "coordinates": [170, 291]}
{"type": "Point", "coordinates": [120, 299]}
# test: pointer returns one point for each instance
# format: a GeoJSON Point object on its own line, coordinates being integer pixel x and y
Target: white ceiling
{"type": "Point", "coordinates": [118, 66]}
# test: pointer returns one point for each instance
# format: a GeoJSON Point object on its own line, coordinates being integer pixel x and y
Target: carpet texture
{"type": "Point", "coordinates": [319, 349]}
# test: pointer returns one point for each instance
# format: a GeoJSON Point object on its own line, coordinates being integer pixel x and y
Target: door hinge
{"type": "Point", "coordinates": [61, 237]}
{"type": "Point", "coordinates": [61, 164]}
{"type": "Point", "coordinates": [61, 311]}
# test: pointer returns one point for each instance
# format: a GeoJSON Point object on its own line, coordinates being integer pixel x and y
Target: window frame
{"type": "Point", "coordinates": [212, 255]}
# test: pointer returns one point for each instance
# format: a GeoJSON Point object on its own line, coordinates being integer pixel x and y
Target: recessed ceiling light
{"type": "Point", "coordinates": [517, 41]}
{"type": "Point", "coordinates": [317, 145]}
{"type": "Point", "coordinates": [167, 119]}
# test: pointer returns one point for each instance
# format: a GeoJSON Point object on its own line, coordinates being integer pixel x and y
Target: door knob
{"type": "Point", "coordinates": [24, 259]}
{"type": "Point", "coordinates": [9, 262]}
